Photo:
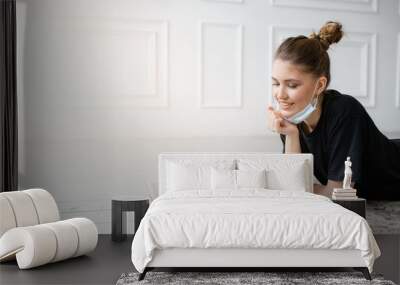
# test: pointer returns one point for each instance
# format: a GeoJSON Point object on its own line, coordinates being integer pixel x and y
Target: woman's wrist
{"type": "Point", "coordinates": [292, 143]}
{"type": "Point", "coordinates": [293, 133]}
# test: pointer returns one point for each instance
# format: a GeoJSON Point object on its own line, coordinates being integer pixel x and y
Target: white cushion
{"type": "Point", "coordinates": [237, 179]}
{"type": "Point", "coordinates": [23, 208]}
{"type": "Point", "coordinates": [223, 179]}
{"type": "Point", "coordinates": [33, 246]}
{"type": "Point", "coordinates": [188, 175]}
{"type": "Point", "coordinates": [251, 178]}
{"type": "Point", "coordinates": [45, 205]}
{"type": "Point", "coordinates": [30, 232]}
{"type": "Point", "coordinates": [67, 239]}
{"type": "Point", "coordinates": [7, 215]}
{"type": "Point", "coordinates": [281, 174]}
{"type": "Point", "coordinates": [40, 244]}
{"type": "Point", "coordinates": [87, 233]}
{"type": "Point", "coordinates": [27, 208]}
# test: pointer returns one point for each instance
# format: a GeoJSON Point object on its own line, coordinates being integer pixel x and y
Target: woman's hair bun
{"type": "Point", "coordinates": [330, 33]}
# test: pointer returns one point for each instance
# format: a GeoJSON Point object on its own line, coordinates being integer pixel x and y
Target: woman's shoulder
{"type": "Point", "coordinates": [340, 104]}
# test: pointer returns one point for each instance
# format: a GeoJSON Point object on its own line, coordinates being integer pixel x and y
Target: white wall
{"type": "Point", "coordinates": [104, 86]}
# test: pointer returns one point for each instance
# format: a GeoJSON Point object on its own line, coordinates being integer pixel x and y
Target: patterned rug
{"type": "Point", "coordinates": [243, 278]}
{"type": "Point", "coordinates": [384, 216]}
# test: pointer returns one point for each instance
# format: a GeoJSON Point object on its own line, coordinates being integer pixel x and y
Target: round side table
{"type": "Point", "coordinates": [121, 204]}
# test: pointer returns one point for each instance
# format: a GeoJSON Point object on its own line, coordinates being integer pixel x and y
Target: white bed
{"type": "Point", "coordinates": [249, 227]}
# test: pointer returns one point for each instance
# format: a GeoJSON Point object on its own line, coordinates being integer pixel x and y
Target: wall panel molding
{"type": "Point", "coordinates": [361, 6]}
{"type": "Point", "coordinates": [215, 64]}
{"type": "Point", "coordinates": [135, 58]}
{"type": "Point", "coordinates": [366, 42]}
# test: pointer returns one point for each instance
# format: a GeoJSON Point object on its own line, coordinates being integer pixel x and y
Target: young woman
{"type": "Point", "coordinates": [332, 126]}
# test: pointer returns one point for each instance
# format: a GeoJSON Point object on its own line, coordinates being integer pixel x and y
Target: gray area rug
{"type": "Point", "coordinates": [384, 216]}
{"type": "Point", "coordinates": [230, 278]}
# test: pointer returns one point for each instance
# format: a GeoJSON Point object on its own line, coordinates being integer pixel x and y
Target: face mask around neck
{"type": "Point", "coordinates": [305, 113]}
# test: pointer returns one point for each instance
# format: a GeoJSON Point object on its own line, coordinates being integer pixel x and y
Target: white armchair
{"type": "Point", "coordinates": [31, 230]}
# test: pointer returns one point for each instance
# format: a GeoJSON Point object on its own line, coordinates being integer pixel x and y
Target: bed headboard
{"type": "Point", "coordinates": [163, 158]}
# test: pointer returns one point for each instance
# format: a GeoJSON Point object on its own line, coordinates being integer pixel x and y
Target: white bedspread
{"type": "Point", "coordinates": [250, 218]}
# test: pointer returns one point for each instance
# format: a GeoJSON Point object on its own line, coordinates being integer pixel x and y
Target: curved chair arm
{"type": "Point", "coordinates": [33, 246]}
{"type": "Point", "coordinates": [40, 244]}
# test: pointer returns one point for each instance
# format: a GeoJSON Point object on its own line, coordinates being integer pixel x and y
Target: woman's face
{"type": "Point", "coordinates": [292, 88]}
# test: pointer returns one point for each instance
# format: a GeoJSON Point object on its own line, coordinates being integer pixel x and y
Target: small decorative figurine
{"type": "Point", "coordinates": [347, 174]}
{"type": "Point", "coordinates": [347, 192]}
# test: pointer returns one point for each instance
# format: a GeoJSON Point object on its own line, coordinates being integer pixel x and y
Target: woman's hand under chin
{"type": "Point", "coordinates": [277, 123]}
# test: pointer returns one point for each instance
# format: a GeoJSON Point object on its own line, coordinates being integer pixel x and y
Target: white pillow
{"type": "Point", "coordinates": [281, 174]}
{"type": "Point", "coordinates": [185, 177]}
{"type": "Point", "coordinates": [251, 178]}
{"type": "Point", "coordinates": [237, 179]}
{"type": "Point", "coordinates": [189, 174]}
{"type": "Point", "coordinates": [223, 179]}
